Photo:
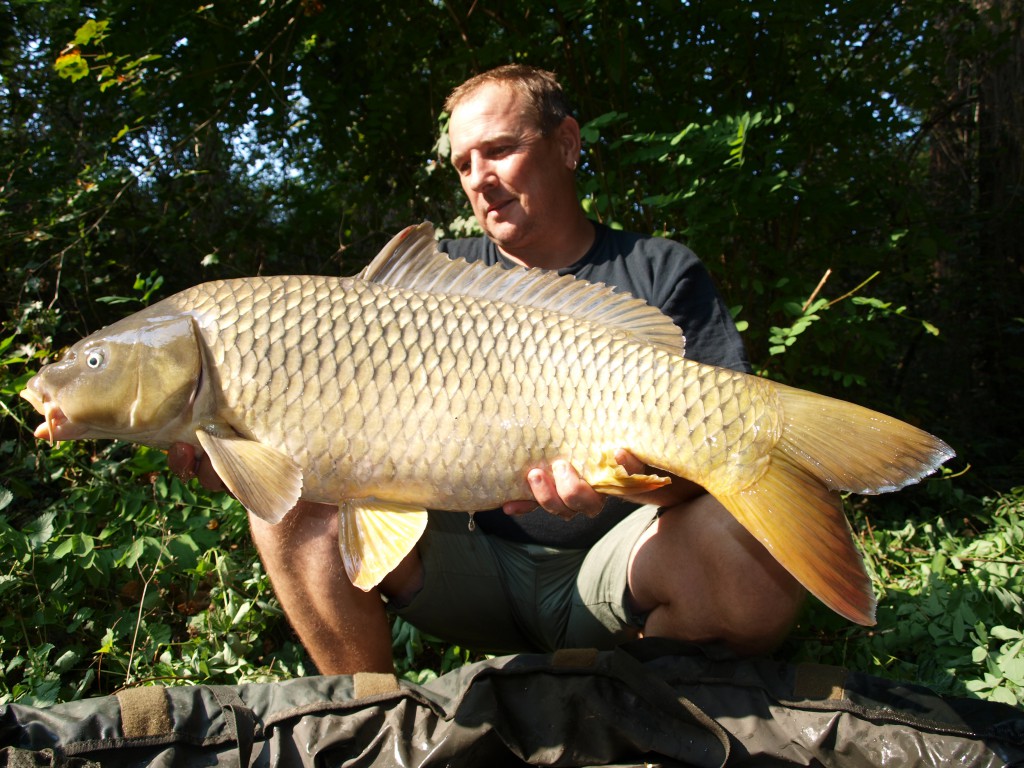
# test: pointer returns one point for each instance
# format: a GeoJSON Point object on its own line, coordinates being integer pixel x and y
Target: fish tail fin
{"type": "Point", "coordinates": [852, 448]}
{"type": "Point", "coordinates": [802, 524]}
{"type": "Point", "coordinates": [611, 478]}
{"type": "Point", "coordinates": [794, 508]}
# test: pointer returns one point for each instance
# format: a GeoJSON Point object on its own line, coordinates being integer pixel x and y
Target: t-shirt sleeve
{"type": "Point", "coordinates": [692, 301]}
{"type": "Point", "coordinates": [669, 276]}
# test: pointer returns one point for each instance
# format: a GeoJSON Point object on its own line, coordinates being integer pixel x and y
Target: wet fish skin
{"type": "Point", "coordinates": [417, 385]}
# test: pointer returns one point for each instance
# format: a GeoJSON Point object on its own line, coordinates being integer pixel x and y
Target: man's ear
{"type": "Point", "coordinates": [569, 142]}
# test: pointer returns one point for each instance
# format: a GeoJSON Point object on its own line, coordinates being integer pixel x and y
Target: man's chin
{"type": "Point", "coordinates": [503, 230]}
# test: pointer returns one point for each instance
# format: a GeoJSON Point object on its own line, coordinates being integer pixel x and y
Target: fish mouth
{"type": "Point", "coordinates": [56, 426]}
{"type": "Point", "coordinates": [30, 394]}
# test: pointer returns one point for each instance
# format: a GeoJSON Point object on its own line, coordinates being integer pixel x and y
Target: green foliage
{"type": "Point", "coordinates": [950, 615]}
{"type": "Point", "coordinates": [131, 576]}
{"type": "Point", "coordinates": [420, 658]}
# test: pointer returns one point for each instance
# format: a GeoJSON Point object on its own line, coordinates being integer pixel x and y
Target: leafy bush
{"type": "Point", "coordinates": [222, 142]}
{"type": "Point", "coordinates": [950, 582]}
{"type": "Point", "coordinates": [131, 576]}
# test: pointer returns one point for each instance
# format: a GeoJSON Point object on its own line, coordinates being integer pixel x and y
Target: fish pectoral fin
{"type": "Point", "coordinates": [611, 478]}
{"type": "Point", "coordinates": [267, 482]}
{"type": "Point", "coordinates": [803, 525]}
{"type": "Point", "coordinates": [374, 536]}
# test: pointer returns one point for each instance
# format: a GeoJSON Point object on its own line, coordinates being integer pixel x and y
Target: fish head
{"type": "Point", "coordinates": [134, 380]}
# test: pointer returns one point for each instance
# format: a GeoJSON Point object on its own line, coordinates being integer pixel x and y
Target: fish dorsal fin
{"type": "Point", "coordinates": [411, 260]}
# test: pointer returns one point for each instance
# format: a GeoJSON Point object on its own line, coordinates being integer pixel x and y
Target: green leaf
{"type": "Point", "coordinates": [135, 551]}
{"type": "Point", "coordinates": [1003, 696]}
{"type": "Point", "coordinates": [107, 643]}
{"type": "Point", "coordinates": [40, 530]}
{"type": "Point", "coordinates": [71, 66]}
{"type": "Point", "coordinates": [63, 549]}
{"type": "Point", "coordinates": [91, 31]}
{"type": "Point", "coordinates": [1006, 633]}
{"type": "Point", "coordinates": [44, 694]}
{"type": "Point", "coordinates": [66, 661]}
{"type": "Point", "coordinates": [241, 613]}
{"type": "Point", "coordinates": [120, 134]}
{"type": "Point", "coordinates": [160, 634]}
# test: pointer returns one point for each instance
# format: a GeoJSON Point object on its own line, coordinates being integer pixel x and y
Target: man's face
{"type": "Point", "coordinates": [518, 181]}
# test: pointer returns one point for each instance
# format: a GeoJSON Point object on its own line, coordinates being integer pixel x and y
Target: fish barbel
{"type": "Point", "coordinates": [429, 383]}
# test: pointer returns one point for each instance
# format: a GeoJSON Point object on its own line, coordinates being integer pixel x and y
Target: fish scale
{"type": "Point", "coordinates": [364, 398]}
{"type": "Point", "coordinates": [417, 385]}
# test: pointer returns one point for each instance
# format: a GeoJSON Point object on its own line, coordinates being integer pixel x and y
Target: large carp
{"type": "Point", "coordinates": [429, 383]}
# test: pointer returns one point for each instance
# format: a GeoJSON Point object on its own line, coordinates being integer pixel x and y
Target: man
{"type": "Point", "coordinates": [576, 571]}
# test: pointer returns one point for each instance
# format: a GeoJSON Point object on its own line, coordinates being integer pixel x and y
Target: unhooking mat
{"type": "Point", "coordinates": [648, 703]}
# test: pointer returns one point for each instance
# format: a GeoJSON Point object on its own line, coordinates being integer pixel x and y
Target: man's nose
{"type": "Point", "coordinates": [481, 174]}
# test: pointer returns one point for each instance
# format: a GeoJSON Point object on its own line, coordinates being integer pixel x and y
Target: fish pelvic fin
{"type": "Point", "coordinates": [375, 536]}
{"type": "Point", "coordinates": [802, 524]}
{"type": "Point", "coordinates": [611, 478]}
{"type": "Point", "coordinates": [267, 482]}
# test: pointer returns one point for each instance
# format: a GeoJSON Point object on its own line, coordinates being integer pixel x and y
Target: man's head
{"type": "Point", "coordinates": [515, 147]}
{"type": "Point", "coordinates": [536, 90]}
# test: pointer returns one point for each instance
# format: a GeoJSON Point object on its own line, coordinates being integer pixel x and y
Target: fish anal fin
{"type": "Point", "coordinates": [375, 536]}
{"type": "Point", "coordinates": [267, 482]}
{"type": "Point", "coordinates": [611, 478]}
{"type": "Point", "coordinates": [804, 527]}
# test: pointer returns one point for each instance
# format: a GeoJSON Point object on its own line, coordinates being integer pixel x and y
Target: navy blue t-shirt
{"type": "Point", "coordinates": [667, 275]}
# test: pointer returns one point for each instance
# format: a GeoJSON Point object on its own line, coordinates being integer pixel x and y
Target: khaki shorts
{"type": "Point", "coordinates": [499, 596]}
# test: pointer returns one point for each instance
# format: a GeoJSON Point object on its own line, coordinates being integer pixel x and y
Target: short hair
{"type": "Point", "coordinates": [538, 89]}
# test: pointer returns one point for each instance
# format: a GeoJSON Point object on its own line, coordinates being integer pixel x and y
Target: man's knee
{"type": "Point", "coordinates": [760, 622]}
{"type": "Point", "coordinates": [703, 578]}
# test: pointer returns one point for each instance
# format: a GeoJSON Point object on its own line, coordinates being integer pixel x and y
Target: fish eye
{"type": "Point", "coordinates": [94, 359]}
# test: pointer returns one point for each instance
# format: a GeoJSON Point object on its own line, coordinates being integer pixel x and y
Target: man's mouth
{"type": "Point", "coordinates": [498, 206]}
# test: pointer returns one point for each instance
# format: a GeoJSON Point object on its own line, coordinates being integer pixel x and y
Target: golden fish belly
{"type": "Point", "coordinates": [446, 401]}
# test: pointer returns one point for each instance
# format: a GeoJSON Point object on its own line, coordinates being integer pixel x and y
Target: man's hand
{"type": "Point", "coordinates": [562, 492]}
{"type": "Point", "coordinates": [182, 461]}
{"type": "Point", "coordinates": [181, 458]}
